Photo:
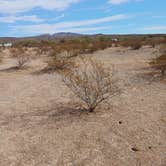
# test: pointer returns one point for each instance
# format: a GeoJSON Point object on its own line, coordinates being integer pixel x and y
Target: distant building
{"type": "Point", "coordinates": [115, 40]}
{"type": "Point", "coordinates": [7, 44]}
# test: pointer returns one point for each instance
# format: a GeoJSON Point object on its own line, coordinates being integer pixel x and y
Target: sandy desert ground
{"type": "Point", "coordinates": [40, 124]}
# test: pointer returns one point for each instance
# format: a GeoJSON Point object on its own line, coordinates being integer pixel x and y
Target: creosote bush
{"type": "Point", "coordinates": [21, 56]}
{"type": "Point", "coordinates": [90, 82]}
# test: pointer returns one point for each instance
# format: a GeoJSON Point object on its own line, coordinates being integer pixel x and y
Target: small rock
{"type": "Point", "coordinates": [135, 149]}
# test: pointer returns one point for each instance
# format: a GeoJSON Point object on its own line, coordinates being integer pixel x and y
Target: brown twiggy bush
{"type": "Point", "coordinates": [61, 62]}
{"type": "Point", "coordinates": [159, 63]}
{"type": "Point", "coordinates": [21, 56]}
{"type": "Point", "coordinates": [91, 82]}
{"type": "Point", "coordinates": [1, 55]}
{"type": "Point", "coordinates": [162, 49]}
{"type": "Point", "coordinates": [134, 44]}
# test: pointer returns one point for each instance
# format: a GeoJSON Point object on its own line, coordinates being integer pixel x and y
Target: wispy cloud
{"type": "Point", "coordinates": [77, 26]}
{"type": "Point", "coordinates": [13, 19]}
{"type": "Point", "coordinates": [19, 6]}
{"type": "Point", "coordinates": [118, 2]}
{"type": "Point", "coordinates": [25, 18]}
{"type": "Point", "coordinates": [155, 28]}
{"type": "Point", "coordinates": [91, 22]}
{"type": "Point", "coordinates": [86, 30]}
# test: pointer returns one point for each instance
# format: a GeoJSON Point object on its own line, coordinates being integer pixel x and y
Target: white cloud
{"type": "Point", "coordinates": [73, 26]}
{"type": "Point", "coordinates": [90, 22]}
{"type": "Point", "coordinates": [118, 2]}
{"type": "Point", "coordinates": [31, 18]}
{"type": "Point", "coordinates": [19, 6]}
{"type": "Point", "coordinates": [155, 28]}
{"type": "Point", "coordinates": [13, 19]}
{"type": "Point", "coordinates": [48, 29]}
{"type": "Point", "coordinates": [86, 30]}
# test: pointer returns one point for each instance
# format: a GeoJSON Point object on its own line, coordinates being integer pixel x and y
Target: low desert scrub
{"type": "Point", "coordinates": [82, 45]}
{"type": "Point", "coordinates": [61, 62]}
{"type": "Point", "coordinates": [134, 44]}
{"type": "Point", "coordinates": [91, 82]}
{"type": "Point", "coordinates": [162, 49]}
{"type": "Point", "coordinates": [21, 56]}
{"type": "Point", "coordinates": [1, 55]}
{"type": "Point", "coordinates": [0, 59]}
{"type": "Point", "coordinates": [159, 63]}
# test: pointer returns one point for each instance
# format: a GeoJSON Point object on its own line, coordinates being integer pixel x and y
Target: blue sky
{"type": "Point", "coordinates": [34, 17]}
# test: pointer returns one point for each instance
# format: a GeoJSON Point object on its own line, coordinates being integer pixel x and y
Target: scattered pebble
{"type": "Point", "coordinates": [150, 147]}
{"type": "Point", "coordinates": [135, 149]}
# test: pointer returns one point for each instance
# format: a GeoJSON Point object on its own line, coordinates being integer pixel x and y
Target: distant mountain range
{"type": "Point", "coordinates": [64, 35]}
{"type": "Point", "coordinates": [42, 37]}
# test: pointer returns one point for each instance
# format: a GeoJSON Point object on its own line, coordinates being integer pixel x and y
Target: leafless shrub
{"type": "Point", "coordinates": [159, 62]}
{"type": "Point", "coordinates": [61, 62]}
{"type": "Point", "coordinates": [21, 56]}
{"type": "Point", "coordinates": [90, 82]}
{"type": "Point", "coordinates": [162, 49]}
{"type": "Point", "coordinates": [134, 44]}
{"type": "Point", "coordinates": [1, 55]}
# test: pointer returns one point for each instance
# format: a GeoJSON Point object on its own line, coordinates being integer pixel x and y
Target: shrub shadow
{"type": "Point", "coordinates": [13, 69]}
{"type": "Point", "coordinates": [57, 113]}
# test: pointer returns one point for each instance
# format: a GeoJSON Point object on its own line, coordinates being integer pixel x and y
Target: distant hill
{"type": "Point", "coordinates": [68, 35]}
{"type": "Point", "coordinates": [42, 37]}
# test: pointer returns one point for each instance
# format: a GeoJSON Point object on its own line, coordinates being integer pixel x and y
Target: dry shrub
{"type": "Point", "coordinates": [81, 46]}
{"type": "Point", "coordinates": [159, 63]}
{"type": "Point", "coordinates": [21, 56]}
{"type": "Point", "coordinates": [61, 62]}
{"type": "Point", "coordinates": [162, 49]}
{"type": "Point", "coordinates": [134, 44]}
{"type": "Point", "coordinates": [44, 50]}
{"type": "Point", "coordinates": [90, 82]}
{"type": "Point", "coordinates": [1, 55]}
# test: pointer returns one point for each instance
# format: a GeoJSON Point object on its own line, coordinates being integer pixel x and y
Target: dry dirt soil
{"type": "Point", "coordinates": [41, 125]}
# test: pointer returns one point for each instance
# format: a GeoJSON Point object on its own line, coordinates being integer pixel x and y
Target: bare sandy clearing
{"type": "Point", "coordinates": [40, 126]}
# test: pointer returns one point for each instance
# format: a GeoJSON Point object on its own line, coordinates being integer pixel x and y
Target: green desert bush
{"type": "Point", "coordinates": [91, 82]}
